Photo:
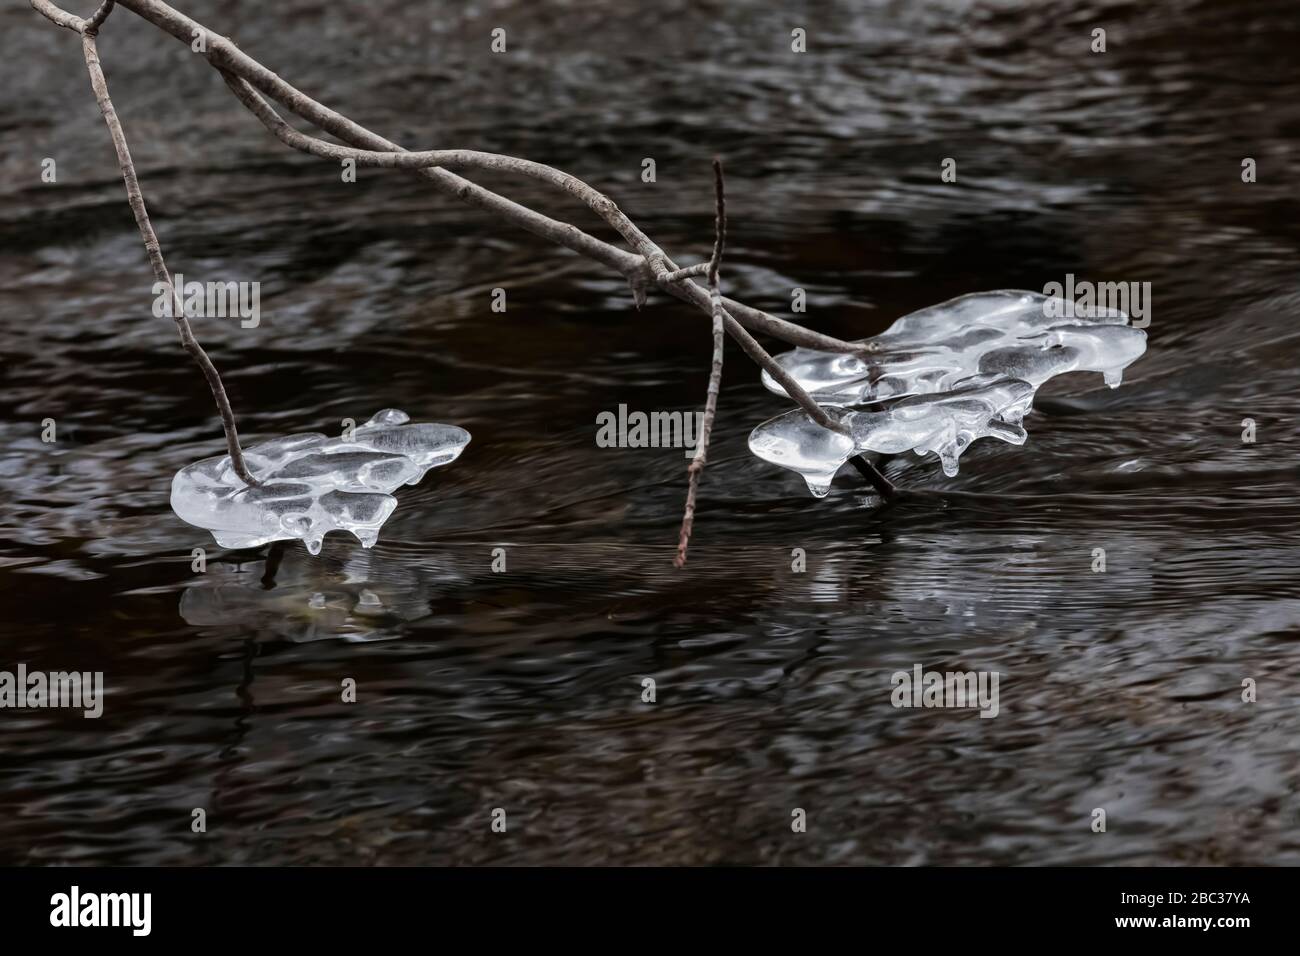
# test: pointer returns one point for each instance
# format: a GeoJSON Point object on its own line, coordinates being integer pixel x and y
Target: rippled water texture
{"type": "Point", "coordinates": [522, 690]}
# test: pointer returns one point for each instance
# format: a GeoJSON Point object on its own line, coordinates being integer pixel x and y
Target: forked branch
{"type": "Point", "coordinates": [644, 266]}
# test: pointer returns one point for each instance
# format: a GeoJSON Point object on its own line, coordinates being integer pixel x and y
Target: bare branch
{"type": "Point", "coordinates": [719, 234]}
{"type": "Point", "coordinates": [638, 269]}
{"type": "Point", "coordinates": [154, 250]}
{"type": "Point", "coordinates": [99, 16]}
{"type": "Point", "coordinates": [426, 161]}
{"type": "Point", "coordinates": [429, 164]}
{"type": "Point", "coordinates": [699, 269]}
{"type": "Point", "coordinates": [883, 485]}
{"type": "Point", "coordinates": [645, 265]}
{"type": "Point", "coordinates": [598, 202]}
{"type": "Point", "coordinates": [672, 280]}
{"type": "Point", "coordinates": [696, 467]}
{"type": "Point", "coordinates": [59, 16]}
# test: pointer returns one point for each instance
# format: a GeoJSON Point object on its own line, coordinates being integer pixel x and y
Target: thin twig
{"type": "Point", "coordinates": [699, 269]}
{"type": "Point", "coordinates": [154, 250]}
{"type": "Point", "coordinates": [99, 16]}
{"type": "Point", "coordinates": [59, 16]}
{"type": "Point", "coordinates": [696, 467]}
{"type": "Point", "coordinates": [877, 480]}
{"type": "Point", "coordinates": [597, 201]}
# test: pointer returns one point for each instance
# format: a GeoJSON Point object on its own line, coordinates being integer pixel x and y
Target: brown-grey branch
{"type": "Point", "coordinates": [99, 84]}
{"type": "Point", "coordinates": [696, 467]}
{"type": "Point", "coordinates": [646, 265]}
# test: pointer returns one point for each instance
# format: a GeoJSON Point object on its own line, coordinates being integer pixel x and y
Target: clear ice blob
{"type": "Point", "coordinates": [944, 425]}
{"type": "Point", "coordinates": [311, 485]}
{"type": "Point", "coordinates": [1023, 335]}
{"type": "Point", "coordinates": [940, 378]}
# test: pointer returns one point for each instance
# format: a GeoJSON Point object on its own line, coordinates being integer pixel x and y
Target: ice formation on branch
{"type": "Point", "coordinates": [310, 485]}
{"type": "Point", "coordinates": [1015, 334]}
{"type": "Point", "coordinates": [940, 378]}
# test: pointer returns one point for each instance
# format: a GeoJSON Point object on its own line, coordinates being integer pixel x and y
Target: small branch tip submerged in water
{"type": "Point", "coordinates": [696, 467]}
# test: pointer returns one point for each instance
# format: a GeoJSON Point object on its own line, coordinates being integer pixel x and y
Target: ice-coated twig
{"type": "Point", "coordinates": [696, 467]}
{"type": "Point", "coordinates": [88, 30]}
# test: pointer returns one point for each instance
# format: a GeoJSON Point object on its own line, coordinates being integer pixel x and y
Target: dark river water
{"type": "Point", "coordinates": [1119, 690]}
